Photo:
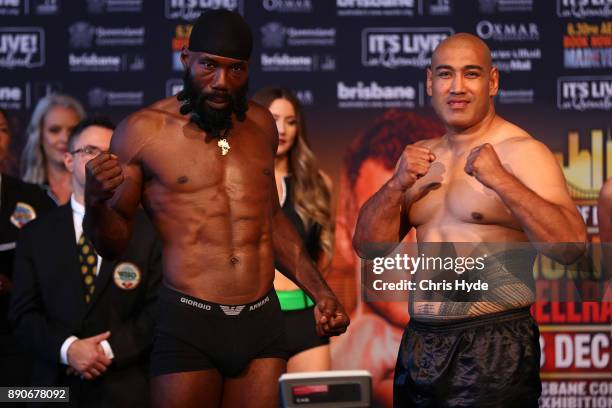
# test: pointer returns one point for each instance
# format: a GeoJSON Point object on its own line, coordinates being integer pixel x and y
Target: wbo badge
{"type": "Point", "coordinates": [126, 276]}
{"type": "Point", "coordinates": [23, 214]}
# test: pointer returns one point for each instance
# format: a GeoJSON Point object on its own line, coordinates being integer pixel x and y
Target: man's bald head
{"type": "Point", "coordinates": [462, 81]}
{"type": "Point", "coordinates": [464, 40]}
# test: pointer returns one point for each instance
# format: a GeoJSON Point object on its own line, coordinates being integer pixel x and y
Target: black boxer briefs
{"type": "Point", "coordinates": [193, 334]}
{"type": "Point", "coordinates": [489, 361]}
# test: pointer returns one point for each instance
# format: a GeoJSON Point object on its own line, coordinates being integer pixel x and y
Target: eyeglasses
{"type": "Point", "coordinates": [90, 150]}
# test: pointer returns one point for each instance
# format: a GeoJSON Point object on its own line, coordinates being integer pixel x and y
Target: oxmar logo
{"type": "Point", "coordinates": [508, 31]}
{"type": "Point", "coordinates": [584, 8]}
{"type": "Point", "coordinates": [276, 35]}
{"type": "Point", "coordinates": [401, 47]}
{"type": "Point", "coordinates": [584, 93]}
{"type": "Point", "coordinates": [350, 8]}
{"type": "Point", "coordinates": [373, 95]}
{"type": "Point", "coordinates": [22, 47]}
{"type": "Point", "coordinates": [191, 9]}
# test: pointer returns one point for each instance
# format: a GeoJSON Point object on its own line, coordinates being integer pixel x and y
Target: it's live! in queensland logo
{"type": "Point", "coordinates": [401, 47]}
{"type": "Point", "coordinates": [22, 47]}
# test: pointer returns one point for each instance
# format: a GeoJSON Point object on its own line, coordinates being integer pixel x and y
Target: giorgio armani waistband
{"type": "Point", "coordinates": [200, 305]}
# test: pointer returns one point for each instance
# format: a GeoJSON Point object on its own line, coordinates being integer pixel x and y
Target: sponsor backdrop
{"type": "Point", "coordinates": [350, 61]}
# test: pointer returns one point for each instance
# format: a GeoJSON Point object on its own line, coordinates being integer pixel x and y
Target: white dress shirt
{"type": "Point", "coordinates": [78, 212]}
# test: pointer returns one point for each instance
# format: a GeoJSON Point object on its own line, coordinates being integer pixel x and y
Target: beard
{"type": "Point", "coordinates": [211, 120]}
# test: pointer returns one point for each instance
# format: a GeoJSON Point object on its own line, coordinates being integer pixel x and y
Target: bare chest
{"type": "Point", "coordinates": [191, 164]}
{"type": "Point", "coordinates": [448, 193]}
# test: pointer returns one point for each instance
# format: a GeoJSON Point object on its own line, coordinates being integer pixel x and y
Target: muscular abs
{"type": "Point", "coordinates": [213, 212]}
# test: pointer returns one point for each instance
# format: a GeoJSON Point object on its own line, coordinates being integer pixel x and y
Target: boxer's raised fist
{"type": "Point", "coordinates": [413, 164]}
{"type": "Point", "coordinates": [484, 164]}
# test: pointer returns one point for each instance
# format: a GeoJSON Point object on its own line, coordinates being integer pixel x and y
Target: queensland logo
{"type": "Point", "coordinates": [22, 214]}
{"type": "Point", "coordinates": [22, 47]}
{"type": "Point", "coordinates": [349, 8]}
{"type": "Point", "coordinates": [583, 93]}
{"type": "Point", "coordinates": [81, 34]}
{"type": "Point", "coordinates": [10, 7]}
{"type": "Point", "coordinates": [288, 6]}
{"type": "Point", "coordinates": [584, 8]}
{"type": "Point", "coordinates": [11, 97]}
{"type": "Point", "coordinates": [99, 98]}
{"type": "Point", "coordinates": [373, 95]}
{"type": "Point", "coordinates": [126, 276]}
{"type": "Point", "coordinates": [505, 6]}
{"type": "Point", "coordinates": [191, 9]}
{"type": "Point", "coordinates": [273, 35]}
{"type": "Point", "coordinates": [508, 31]}
{"type": "Point", "coordinates": [515, 96]}
{"type": "Point", "coordinates": [400, 47]}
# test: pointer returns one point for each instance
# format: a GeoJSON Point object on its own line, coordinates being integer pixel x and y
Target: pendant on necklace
{"type": "Point", "coordinates": [225, 147]}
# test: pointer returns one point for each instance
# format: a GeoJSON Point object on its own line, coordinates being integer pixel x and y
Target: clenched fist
{"type": "Point", "coordinates": [413, 164]}
{"type": "Point", "coordinates": [103, 175]}
{"type": "Point", "coordinates": [484, 164]}
{"type": "Point", "coordinates": [330, 317]}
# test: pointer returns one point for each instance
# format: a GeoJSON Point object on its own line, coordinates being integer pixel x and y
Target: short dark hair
{"type": "Point", "coordinates": [100, 121]}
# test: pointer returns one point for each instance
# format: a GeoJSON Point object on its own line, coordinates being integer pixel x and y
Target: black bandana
{"type": "Point", "coordinates": [222, 32]}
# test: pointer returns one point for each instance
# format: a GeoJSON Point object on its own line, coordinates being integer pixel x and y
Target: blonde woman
{"type": "Point", "coordinates": [42, 159]}
{"type": "Point", "coordinates": [304, 192]}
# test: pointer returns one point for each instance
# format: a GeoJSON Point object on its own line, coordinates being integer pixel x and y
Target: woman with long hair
{"type": "Point", "coordinates": [42, 159]}
{"type": "Point", "coordinates": [305, 195]}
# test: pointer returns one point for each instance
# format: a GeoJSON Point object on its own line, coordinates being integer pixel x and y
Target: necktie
{"type": "Point", "coordinates": [88, 260]}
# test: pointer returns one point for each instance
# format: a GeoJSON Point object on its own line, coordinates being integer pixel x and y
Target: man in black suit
{"type": "Point", "coordinates": [88, 321]}
{"type": "Point", "coordinates": [20, 203]}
